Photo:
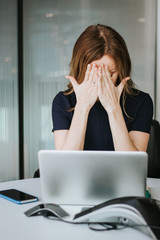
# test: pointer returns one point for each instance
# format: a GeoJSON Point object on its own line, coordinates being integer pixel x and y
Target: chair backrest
{"type": "Point", "coordinates": [153, 151]}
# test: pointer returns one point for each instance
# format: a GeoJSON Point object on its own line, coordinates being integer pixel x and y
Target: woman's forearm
{"type": "Point", "coordinates": [120, 135]}
{"type": "Point", "coordinates": [76, 134]}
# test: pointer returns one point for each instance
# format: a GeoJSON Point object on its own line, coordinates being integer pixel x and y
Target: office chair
{"type": "Point", "coordinates": [36, 174]}
{"type": "Point", "coordinates": [153, 151]}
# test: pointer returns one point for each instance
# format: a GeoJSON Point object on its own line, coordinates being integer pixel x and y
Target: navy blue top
{"type": "Point", "coordinates": [98, 133]}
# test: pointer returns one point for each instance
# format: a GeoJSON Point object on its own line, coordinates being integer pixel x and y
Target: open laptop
{"type": "Point", "coordinates": [91, 177]}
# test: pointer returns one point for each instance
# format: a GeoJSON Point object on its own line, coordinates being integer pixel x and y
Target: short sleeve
{"type": "Point", "coordinates": [61, 117]}
{"type": "Point", "coordinates": [143, 119]}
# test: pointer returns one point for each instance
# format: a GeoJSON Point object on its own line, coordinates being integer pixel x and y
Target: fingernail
{"type": "Point", "coordinates": [127, 78]}
{"type": "Point", "coordinates": [106, 67]}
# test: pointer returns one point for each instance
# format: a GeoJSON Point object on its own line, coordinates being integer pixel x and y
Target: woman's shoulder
{"type": "Point", "coordinates": [65, 100]}
{"type": "Point", "coordinates": [139, 97]}
{"type": "Point", "coordinates": [139, 107]}
{"type": "Point", "coordinates": [59, 96]}
{"type": "Point", "coordinates": [138, 102]}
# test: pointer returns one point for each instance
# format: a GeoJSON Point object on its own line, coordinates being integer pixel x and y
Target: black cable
{"type": "Point", "coordinates": [106, 226]}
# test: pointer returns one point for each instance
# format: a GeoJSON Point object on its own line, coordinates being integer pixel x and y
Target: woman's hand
{"type": "Point", "coordinates": [86, 92]}
{"type": "Point", "coordinates": [108, 93]}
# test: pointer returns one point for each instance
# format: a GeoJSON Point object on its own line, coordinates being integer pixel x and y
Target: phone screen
{"type": "Point", "coordinates": [17, 196]}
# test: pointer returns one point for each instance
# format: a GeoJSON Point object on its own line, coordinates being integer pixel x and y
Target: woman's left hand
{"type": "Point", "coordinates": [108, 93]}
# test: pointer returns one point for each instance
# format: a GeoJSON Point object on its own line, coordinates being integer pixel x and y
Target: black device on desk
{"type": "Point", "coordinates": [17, 196]}
{"type": "Point", "coordinates": [47, 209]}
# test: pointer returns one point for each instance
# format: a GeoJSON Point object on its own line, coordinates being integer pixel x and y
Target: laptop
{"type": "Point", "coordinates": [91, 177]}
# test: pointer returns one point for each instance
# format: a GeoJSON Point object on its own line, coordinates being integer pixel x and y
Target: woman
{"type": "Point", "coordinates": [101, 110]}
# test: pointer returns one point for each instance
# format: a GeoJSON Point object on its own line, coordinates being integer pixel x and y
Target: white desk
{"type": "Point", "coordinates": [15, 225]}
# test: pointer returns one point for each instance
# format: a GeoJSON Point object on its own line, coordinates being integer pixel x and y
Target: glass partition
{"type": "Point", "coordinates": [9, 151]}
{"type": "Point", "coordinates": [50, 31]}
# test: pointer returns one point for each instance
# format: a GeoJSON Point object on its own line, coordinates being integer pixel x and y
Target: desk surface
{"type": "Point", "coordinates": [15, 225]}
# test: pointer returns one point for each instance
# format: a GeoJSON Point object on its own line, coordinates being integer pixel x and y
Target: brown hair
{"type": "Point", "coordinates": [95, 42]}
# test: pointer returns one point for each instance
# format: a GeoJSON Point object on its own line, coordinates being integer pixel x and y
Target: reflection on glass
{"type": "Point", "coordinates": [3, 125]}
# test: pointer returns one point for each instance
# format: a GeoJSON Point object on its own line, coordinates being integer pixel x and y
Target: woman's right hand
{"type": "Point", "coordinates": [87, 91]}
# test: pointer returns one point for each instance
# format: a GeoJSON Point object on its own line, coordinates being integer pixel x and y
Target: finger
{"type": "Point", "coordinates": [103, 72]}
{"type": "Point", "coordinates": [122, 84]}
{"type": "Point", "coordinates": [99, 80]}
{"type": "Point", "coordinates": [105, 78]}
{"type": "Point", "coordinates": [95, 76]}
{"type": "Point", "coordinates": [91, 74]}
{"type": "Point", "coordinates": [73, 81]}
{"type": "Point", "coordinates": [108, 74]}
{"type": "Point", "coordinates": [87, 72]}
{"type": "Point", "coordinates": [99, 71]}
{"type": "Point", "coordinates": [127, 78]}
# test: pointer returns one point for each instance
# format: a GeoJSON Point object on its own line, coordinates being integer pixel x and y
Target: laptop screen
{"type": "Point", "coordinates": [91, 177]}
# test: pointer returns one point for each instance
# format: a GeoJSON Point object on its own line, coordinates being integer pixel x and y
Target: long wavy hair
{"type": "Point", "coordinates": [95, 42]}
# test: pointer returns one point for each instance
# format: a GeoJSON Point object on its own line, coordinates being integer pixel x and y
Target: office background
{"type": "Point", "coordinates": [36, 41]}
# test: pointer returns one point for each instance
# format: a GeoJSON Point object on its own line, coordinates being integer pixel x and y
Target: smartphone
{"type": "Point", "coordinates": [17, 196]}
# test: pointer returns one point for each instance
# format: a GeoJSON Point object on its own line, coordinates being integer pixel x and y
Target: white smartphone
{"type": "Point", "coordinates": [17, 196]}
